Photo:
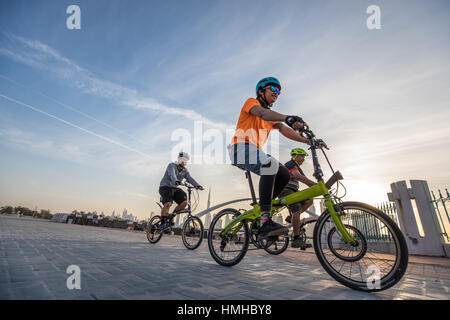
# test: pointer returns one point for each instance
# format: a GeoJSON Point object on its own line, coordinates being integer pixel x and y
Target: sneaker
{"type": "Point", "coordinates": [165, 228]}
{"type": "Point", "coordinates": [270, 228]}
{"type": "Point", "coordinates": [164, 225]}
{"type": "Point", "coordinates": [299, 243]}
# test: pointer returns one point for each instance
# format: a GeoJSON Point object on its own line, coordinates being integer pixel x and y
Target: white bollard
{"type": "Point", "coordinates": [433, 242]}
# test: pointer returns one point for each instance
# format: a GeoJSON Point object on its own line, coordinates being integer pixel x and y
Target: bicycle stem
{"type": "Point", "coordinates": [318, 174]}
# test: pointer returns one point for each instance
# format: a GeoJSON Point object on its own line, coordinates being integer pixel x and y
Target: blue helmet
{"type": "Point", "coordinates": [266, 81]}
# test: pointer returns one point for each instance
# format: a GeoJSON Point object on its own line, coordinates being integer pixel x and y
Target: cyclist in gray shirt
{"type": "Point", "coordinates": [168, 187]}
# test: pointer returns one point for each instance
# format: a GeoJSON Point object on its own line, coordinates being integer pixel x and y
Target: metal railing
{"type": "Point", "coordinates": [390, 209]}
{"type": "Point", "coordinates": [442, 200]}
{"type": "Point", "coordinates": [439, 203]}
{"type": "Point", "coordinates": [373, 229]}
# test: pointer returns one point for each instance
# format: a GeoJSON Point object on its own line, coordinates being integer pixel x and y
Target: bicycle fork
{"type": "Point", "coordinates": [340, 228]}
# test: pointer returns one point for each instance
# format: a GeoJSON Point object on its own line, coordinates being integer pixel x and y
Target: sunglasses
{"type": "Point", "coordinates": [274, 89]}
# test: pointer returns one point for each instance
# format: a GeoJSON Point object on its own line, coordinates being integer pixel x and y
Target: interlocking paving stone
{"type": "Point", "coordinates": [119, 264]}
{"type": "Point", "coordinates": [31, 291]}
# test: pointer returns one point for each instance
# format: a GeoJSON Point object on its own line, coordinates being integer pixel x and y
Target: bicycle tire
{"type": "Point", "coordinates": [184, 232]}
{"type": "Point", "coordinates": [153, 226]}
{"type": "Point", "coordinates": [393, 276]}
{"type": "Point", "coordinates": [211, 239]}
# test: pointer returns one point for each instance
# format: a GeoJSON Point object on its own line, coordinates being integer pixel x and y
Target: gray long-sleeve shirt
{"type": "Point", "coordinates": [173, 174]}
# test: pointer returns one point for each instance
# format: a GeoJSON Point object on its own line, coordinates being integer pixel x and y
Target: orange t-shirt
{"type": "Point", "coordinates": [251, 128]}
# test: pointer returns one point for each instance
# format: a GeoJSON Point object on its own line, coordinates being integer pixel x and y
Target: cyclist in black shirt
{"type": "Point", "coordinates": [298, 156]}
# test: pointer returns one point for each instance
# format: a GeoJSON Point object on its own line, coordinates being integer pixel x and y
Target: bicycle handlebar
{"type": "Point", "coordinates": [315, 143]}
{"type": "Point", "coordinates": [307, 133]}
{"type": "Point", "coordinates": [188, 185]}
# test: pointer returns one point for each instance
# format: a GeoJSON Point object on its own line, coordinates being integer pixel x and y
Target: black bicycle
{"type": "Point", "coordinates": [192, 230]}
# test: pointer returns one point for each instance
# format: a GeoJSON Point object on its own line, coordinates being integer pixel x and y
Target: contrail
{"type": "Point", "coordinates": [74, 110]}
{"type": "Point", "coordinates": [39, 55]}
{"type": "Point", "coordinates": [75, 126]}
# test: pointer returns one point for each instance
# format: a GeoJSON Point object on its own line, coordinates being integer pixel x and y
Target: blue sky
{"type": "Point", "coordinates": [87, 115]}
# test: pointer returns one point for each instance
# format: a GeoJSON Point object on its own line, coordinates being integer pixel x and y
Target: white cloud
{"type": "Point", "coordinates": [36, 54]}
{"type": "Point", "coordinates": [29, 142]}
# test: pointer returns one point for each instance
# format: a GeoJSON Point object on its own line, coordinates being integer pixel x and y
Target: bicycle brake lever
{"type": "Point", "coordinates": [321, 144]}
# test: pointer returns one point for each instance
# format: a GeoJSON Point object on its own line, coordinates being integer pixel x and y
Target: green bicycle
{"type": "Point", "coordinates": [357, 244]}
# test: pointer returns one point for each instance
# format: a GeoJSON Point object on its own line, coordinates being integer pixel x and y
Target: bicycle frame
{"type": "Point", "coordinates": [320, 189]}
{"type": "Point", "coordinates": [315, 191]}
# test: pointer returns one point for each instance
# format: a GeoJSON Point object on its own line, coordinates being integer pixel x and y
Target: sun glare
{"type": "Point", "coordinates": [363, 191]}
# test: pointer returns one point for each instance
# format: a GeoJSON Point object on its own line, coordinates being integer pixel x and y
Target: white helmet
{"type": "Point", "coordinates": [184, 155]}
{"type": "Point", "coordinates": [183, 158]}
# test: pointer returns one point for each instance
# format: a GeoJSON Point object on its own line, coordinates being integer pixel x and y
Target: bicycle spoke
{"type": "Point", "coordinates": [360, 271]}
{"type": "Point", "coordinates": [351, 265]}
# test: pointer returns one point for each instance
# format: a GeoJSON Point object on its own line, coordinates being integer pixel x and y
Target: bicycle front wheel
{"type": "Point", "coordinates": [154, 234]}
{"type": "Point", "coordinates": [378, 259]}
{"type": "Point", "coordinates": [192, 233]}
{"type": "Point", "coordinates": [229, 249]}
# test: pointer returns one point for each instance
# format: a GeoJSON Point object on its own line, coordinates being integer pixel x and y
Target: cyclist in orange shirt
{"type": "Point", "coordinates": [256, 120]}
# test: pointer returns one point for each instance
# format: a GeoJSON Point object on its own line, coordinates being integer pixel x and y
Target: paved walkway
{"type": "Point", "coordinates": [120, 264]}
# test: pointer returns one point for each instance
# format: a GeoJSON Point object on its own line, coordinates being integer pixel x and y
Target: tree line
{"type": "Point", "coordinates": [43, 214]}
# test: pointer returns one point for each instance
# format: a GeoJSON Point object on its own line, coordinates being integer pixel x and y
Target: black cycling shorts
{"type": "Point", "coordinates": [169, 194]}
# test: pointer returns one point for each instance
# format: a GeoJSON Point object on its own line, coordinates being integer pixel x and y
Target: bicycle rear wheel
{"type": "Point", "coordinates": [192, 232]}
{"type": "Point", "coordinates": [379, 258]}
{"type": "Point", "coordinates": [153, 232]}
{"type": "Point", "coordinates": [229, 249]}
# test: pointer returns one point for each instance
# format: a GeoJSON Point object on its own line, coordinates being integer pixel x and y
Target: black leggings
{"type": "Point", "coordinates": [270, 186]}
